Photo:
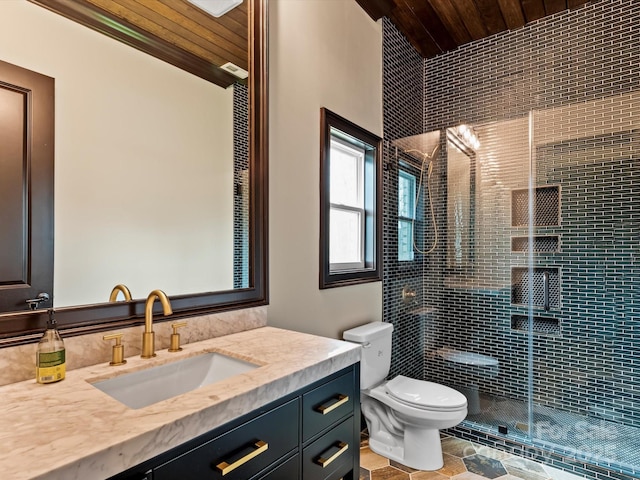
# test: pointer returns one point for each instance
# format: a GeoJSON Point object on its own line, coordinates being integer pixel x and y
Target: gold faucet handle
{"type": "Point", "coordinates": [175, 336]}
{"type": "Point", "coordinates": [117, 352]}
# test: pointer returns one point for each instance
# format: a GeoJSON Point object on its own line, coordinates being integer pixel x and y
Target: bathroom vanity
{"type": "Point", "coordinates": [295, 415]}
{"type": "Point", "coordinates": [310, 434]}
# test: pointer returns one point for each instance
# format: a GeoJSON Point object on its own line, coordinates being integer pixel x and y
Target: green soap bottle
{"type": "Point", "coordinates": [50, 355]}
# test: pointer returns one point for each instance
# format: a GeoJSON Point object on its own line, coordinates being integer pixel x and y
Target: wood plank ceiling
{"type": "Point", "coordinates": [437, 26]}
{"type": "Point", "coordinates": [173, 30]}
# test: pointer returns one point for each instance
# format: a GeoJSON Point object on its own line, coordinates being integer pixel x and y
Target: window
{"type": "Point", "coordinates": [346, 200]}
{"type": "Point", "coordinates": [406, 214]}
{"type": "Point", "coordinates": [350, 203]}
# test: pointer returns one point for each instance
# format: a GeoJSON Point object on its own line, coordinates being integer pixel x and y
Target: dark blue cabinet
{"type": "Point", "coordinates": [311, 434]}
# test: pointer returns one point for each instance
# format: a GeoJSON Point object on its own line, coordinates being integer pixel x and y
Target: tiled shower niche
{"type": "Point", "coordinates": [542, 284]}
{"type": "Point", "coordinates": [546, 206]}
{"type": "Point", "coordinates": [540, 244]}
{"type": "Point", "coordinates": [560, 99]}
{"type": "Point", "coordinates": [547, 326]}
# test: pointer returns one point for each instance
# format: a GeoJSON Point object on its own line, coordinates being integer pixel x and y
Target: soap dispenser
{"type": "Point", "coordinates": [50, 354]}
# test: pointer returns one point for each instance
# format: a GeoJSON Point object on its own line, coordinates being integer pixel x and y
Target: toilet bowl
{"type": "Point", "coordinates": [474, 367]}
{"type": "Point", "coordinates": [403, 415]}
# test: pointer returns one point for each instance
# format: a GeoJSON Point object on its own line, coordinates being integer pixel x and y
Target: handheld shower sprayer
{"type": "Point", "coordinates": [425, 157]}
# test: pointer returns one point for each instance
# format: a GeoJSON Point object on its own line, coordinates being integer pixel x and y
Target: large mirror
{"type": "Point", "coordinates": [156, 187]}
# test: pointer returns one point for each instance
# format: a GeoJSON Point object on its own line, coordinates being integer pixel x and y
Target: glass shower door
{"type": "Point", "coordinates": [584, 274]}
{"type": "Point", "coordinates": [528, 251]}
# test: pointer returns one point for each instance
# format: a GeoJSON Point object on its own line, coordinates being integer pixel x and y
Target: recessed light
{"type": "Point", "coordinates": [235, 70]}
{"type": "Point", "coordinates": [217, 8]}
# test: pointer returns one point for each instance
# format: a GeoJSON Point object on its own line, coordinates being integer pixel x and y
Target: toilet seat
{"type": "Point", "coordinates": [425, 395]}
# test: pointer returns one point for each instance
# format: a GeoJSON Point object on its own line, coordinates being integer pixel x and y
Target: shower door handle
{"type": "Point", "coordinates": [545, 291]}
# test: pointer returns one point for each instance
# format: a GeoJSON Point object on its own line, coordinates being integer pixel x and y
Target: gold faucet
{"type": "Point", "coordinates": [148, 337]}
{"type": "Point", "coordinates": [120, 288]}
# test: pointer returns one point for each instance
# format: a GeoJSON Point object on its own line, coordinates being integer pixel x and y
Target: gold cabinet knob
{"type": "Point", "coordinates": [117, 353]}
{"type": "Point", "coordinates": [175, 336]}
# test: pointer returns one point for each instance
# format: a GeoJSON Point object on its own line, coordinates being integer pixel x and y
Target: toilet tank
{"type": "Point", "coordinates": [375, 361]}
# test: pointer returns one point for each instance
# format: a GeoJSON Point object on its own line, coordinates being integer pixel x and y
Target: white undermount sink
{"type": "Point", "coordinates": [146, 387]}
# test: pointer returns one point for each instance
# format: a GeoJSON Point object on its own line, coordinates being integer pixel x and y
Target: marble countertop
{"type": "Point", "coordinates": [71, 430]}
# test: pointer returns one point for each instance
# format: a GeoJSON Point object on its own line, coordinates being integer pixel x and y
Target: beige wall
{"type": "Point", "coordinates": [135, 144]}
{"type": "Point", "coordinates": [322, 53]}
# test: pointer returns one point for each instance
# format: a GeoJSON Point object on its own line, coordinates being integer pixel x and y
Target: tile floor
{"type": "Point", "coordinates": [604, 433]}
{"type": "Point", "coordinates": [463, 460]}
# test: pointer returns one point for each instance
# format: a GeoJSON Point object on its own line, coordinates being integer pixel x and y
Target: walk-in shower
{"type": "Point", "coordinates": [529, 303]}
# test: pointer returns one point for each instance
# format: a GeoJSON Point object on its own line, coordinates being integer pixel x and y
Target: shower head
{"type": "Point", "coordinates": [424, 157]}
{"type": "Point", "coordinates": [418, 148]}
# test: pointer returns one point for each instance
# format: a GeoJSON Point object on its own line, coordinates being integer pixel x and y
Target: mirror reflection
{"type": "Point", "coordinates": [426, 179]}
{"type": "Point", "coordinates": [462, 143]}
{"type": "Point", "coordinates": [149, 174]}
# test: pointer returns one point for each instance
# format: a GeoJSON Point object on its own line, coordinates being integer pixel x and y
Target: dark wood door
{"type": "Point", "coordinates": [26, 187]}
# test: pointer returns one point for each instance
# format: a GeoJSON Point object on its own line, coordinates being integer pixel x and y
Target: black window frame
{"type": "Point", "coordinates": [372, 271]}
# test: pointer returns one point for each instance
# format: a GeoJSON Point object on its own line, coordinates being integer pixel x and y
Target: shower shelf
{"type": "Point", "coordinates": [541, 244]}
{"type": "Point", "coordinates": [545, 325]}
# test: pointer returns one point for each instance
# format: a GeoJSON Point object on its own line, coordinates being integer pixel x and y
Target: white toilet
{"type": "Point", "coordinates": [403, 414]}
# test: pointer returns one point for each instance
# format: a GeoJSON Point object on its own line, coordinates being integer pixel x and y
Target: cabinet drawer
{"type": "Point", "coordinates": [331, 456]}
{"type": "Point", "coordinates": [327, 404]}
{"type": "Point", "coordinates": [289, 470]}
{"type": "Point", "coordinates": [241, 452]}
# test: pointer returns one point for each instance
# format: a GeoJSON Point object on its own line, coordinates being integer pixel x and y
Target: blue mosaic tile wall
{"type": "Point", "coordinates": [572, 80]}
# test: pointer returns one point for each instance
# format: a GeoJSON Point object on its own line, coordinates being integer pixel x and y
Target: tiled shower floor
{"type": "Point", "coordinates": [463, 460]}
{"type": "Point", "coordinates": [589, 437]}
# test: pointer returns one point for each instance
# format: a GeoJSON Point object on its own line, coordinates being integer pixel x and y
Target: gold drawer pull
{"type": "Point", "coordinates": [341, 446]}
{"type": "Point", "coordinates": [226, 467]}
{"type": "Point", "coordinates": [340, 400]}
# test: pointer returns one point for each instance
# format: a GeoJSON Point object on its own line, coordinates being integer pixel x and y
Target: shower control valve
{"type": "Point", "coordinates": [408, 295]}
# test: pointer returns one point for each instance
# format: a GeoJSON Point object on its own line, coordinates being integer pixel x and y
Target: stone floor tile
{"type": "Point", "coordinates": [485, 466]}
{"type": "Point", "coordinates": [389, 473]}
{"type": "Point", "coordinates": [371, 460]}
{"type": "Point", "coordinates": [525, 474]}
{"type": "Point", "coordinates": [491, 452]}
{"type": "Point", "coordinates": [525, 465]}
{"type": "Point", "coordinates": [452, 465]}
{"type": "Point", "coordinates": [463, 460]}
{"type": "Point", "coordinates": [428, 476]}
{"type": "Point", "coordinates": [457, 447]}
{"type": "Point", "coordinates": [404, 468]}
{"type": "Point", "coordinates": [467, 476]}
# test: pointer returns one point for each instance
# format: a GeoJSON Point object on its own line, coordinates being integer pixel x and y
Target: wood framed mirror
{"type": "Point", "coordinates": [94, 313]}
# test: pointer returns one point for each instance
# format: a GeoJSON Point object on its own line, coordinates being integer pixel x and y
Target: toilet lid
{"type": "Point", "coordinates": [427, 395]}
